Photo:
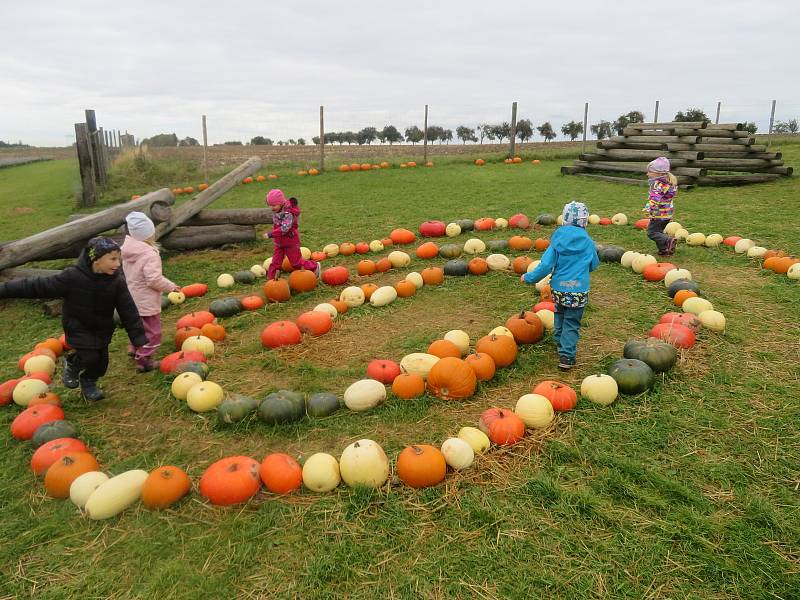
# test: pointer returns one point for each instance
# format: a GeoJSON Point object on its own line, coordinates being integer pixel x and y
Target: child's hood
{"type": "Point", "coordinates": [569, 239]}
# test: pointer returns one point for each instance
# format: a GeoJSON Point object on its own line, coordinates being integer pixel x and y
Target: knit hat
{"type": "Point", "coordinates": [140, 227]}
{"type": "Point", "coordinates": [99, 246]}
{"type": "Point", "coordinates": [276, 197]}
{"type": "Point", "coordinates": [575, 213]}
{"type": "Point", "coordinates": [659, 165]}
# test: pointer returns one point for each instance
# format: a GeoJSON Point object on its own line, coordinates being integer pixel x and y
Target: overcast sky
{"type": "Point", "coordinates": [264, 68]}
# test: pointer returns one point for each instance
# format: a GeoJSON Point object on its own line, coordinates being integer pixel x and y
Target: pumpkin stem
{"type": "Point", "coordinates": [522, 314]}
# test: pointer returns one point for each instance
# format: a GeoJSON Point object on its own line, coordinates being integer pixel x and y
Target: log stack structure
{"type": "Point", "coordinates": [700, 153]}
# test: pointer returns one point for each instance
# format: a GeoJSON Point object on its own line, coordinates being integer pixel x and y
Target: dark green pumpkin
{"type": "Point", "coordinates": [322, 404]}
{"type": "Point", "coordinates": [496, 245]}
{"type": "Point", "coordinates": [546, 219]}
{"type": "Point", "coordinates": [466, 224]}
{"type": "Point", "coordinates": [235, 408]}
{"type": "Point", "coordinates": [451, 250]}
{"type": "Point", "coordinates": [611, 253]}
{"type": "Point", "coordinates": [658, 355]}
{"type": "Point", "coordinates": [632, 376]}
{"type": "Point", "coordinates": [283, 406]}
{"type": "Point", "coordinates": [200, 368]}
{"type": "Point", "coordinates": [225, 307]}
{"type": "Point", "coordinates": [682, 284]}
{"type": "Point", "coordinates": [52, 430]}
{"type": "Point", "coordinates": [244, 277]}
{"type": "Point", "coordinates": [456, 267]}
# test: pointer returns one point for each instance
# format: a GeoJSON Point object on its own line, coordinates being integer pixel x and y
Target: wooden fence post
{"type": "Point", "coordinates": [321, 139]}
{"type": "Point", "coordinates": [205, 151]}
{"type": "Point", "coordinates": [86, 166]}
{"type": "Point", "coordinates": [585, 124]}
{"type": "Point", "coordinates": [513, 132]}
{"type": "Point", "coordinates": [655, 115]}
{"type": "Point", "coordinates": [771, 121]}
{"type": "Point", "coordinates": [719, 105]}
{"type": "Point", "coordinates": [425, 137]}
{"type": "Point", "coordinates": [94, 144]}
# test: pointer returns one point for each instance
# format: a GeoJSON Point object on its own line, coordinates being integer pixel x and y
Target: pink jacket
{"type": "Point", "coordinates": [291, 237]}
{"type": "Point", "coordinates": [142, 266]}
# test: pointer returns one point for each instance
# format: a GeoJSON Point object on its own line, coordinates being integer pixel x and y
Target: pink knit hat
{"type": "Point", "coordinates": [276, 197]}
{"type": "Point", "coordinates": [659, 165]}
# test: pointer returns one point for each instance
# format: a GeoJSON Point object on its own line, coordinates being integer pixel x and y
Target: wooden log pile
{"type": "Point", "coordinates": [700, 153]}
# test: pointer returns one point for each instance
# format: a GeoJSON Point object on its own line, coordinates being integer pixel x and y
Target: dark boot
{"type": "Point", "coordinates": [565, 363]}
{"type": "Point", "coordinates": [90, 391]}
{"type": "Point", "coordinates": [69, 374]}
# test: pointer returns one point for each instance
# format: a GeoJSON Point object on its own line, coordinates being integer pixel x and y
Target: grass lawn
{"type": "Point", "coordinates": [689, 490]}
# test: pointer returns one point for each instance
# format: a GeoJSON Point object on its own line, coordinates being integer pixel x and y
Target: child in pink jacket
{"type": "Point", "coordinates": [141, 263]}
{"type": "Point", "coordinates": [285, 236]}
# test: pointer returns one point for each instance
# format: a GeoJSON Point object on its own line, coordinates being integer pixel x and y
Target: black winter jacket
{"type": "Point", "coordinates": [89, 302]}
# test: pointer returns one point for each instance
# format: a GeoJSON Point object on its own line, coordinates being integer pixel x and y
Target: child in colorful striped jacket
{"type": "Point", "coordinates": [659, 207]}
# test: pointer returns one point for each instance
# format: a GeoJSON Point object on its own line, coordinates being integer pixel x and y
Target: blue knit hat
{"type": "Point", "coordinates": [100, 246]}
{"type": "Point", "coordinates": [575, 213]}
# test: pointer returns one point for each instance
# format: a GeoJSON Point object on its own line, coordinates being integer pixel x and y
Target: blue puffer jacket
{"type": "Point", "coordinates": [570, 258]}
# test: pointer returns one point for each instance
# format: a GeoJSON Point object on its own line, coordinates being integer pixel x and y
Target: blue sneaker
{"type": "Point", "coordinates": [565, 363]}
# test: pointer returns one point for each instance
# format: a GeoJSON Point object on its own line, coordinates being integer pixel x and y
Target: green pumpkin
{"type": "Point", "coordinates": [497, 245]}
{"type": "Point", "coordinates": [52, 430]}
{"type": "Point", "coordinates": [611, 253]}
{"type": "Point", "coordinates": [456, 267]}
{"type": "Point", "coordinates": [225, 307]}
{"type": "Point", "coordinates": [466, 224]}
{"type": "Point", "coordinates": [632, 376]}
{"type": "Point", "coordinates": [322, 404]}
{"type": "Point", "coordinates": [282, 406]}
{"type": "Point", "coordinates": [244, 277]}
{"type": "Point", "coordinates": [546, 219]}
{"type": "Point", "coordinates": [658, 355]}
{"type": "Point", "coordinates": [191, 366]}
{"type": "Point", "coordinates": [683, 284]}
{"type": "Point", "coordinates": [451, 250]}
{"type": "Point", "coordinates": [235, 408]}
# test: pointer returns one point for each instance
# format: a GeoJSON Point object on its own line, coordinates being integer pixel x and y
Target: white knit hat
{"type": "Point", "coordinates": [140, 227]}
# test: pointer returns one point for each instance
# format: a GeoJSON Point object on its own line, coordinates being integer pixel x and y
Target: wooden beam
{"type": "Point", "coordinates": [737, 179]}
{"type": "Point", "coordinates": [192, 238]}
{"type": "Point", "coordinates": [608, 145]}
{"type": "Point", "coordinates": [85, 165]}
{"type": "Point", "coordinates": [22, 272]}
{"type": "Point", "coordinates": [763, 155]}
{"type": "Point", "coordinates": [231, 216]}
{"type": "Point", "coordinates": [649, 138]}
{"type": "Point", "coordinates": [741, 141]}
{"type": "Point", "coordinates": [684, 183]}
{"type": "Point", "coordinates": [672, 125]}
{"type": "Point", "coordinates": [635, 168]}
{"type": "Point", "coordinates": [649, 154]}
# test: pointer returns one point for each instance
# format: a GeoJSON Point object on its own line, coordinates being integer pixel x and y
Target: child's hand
{"type": "Point", "coordinates": [177, 288]}
{"type": "Point", "coordinates": [522, 278]}
{"type": "Point", "coordinates": [267, 235]}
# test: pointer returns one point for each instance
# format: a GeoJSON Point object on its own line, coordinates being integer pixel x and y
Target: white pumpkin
{"type": "Point", "coordinates": [459, 338]}
{"type": "Point", "coordinates": [364, 394]}
{"type": "Point", "coordinates": [260, 271]}
{"type": "Point", "coordinates": [713, 240]}
{"type": "Point", "coordinates": [331, 249]}
{"type": "Point", "coordinates": [84, 486]}
{"type": "Point", "coordinates": [681, 234]}
{"type": "Point", "coordinates": [198, 343]}
{"type": "Point", "coordinates": [352, 296]}
{"type": "Point", "coordinates": [498, 262]}
{"type": "Point", "coordinates": [594, 219]}
{"type": "Point", "coordinates": [535, 410]}
{"type": "Point", "coordinates": [672, 227]}
{"type": "Point", "coordinates": [560, 220]}
{"type": "Point", "coordinates": [376, 246]}
{"type": "Point", "coordinates": [40, 363]}
{"type": "Point", "coordinates": [329, 308]}
{"type": "Point", "coordinates": [204, 396]}
{"type": "Point", "coordinates": [544, 282]}
{"type": "Point", "coordinates": [176, 297]}
{"type": "Point", "coordinates": [458, 453]}
{"type": "Point", "coordinates": [226, 279]}
{"type": "Point", "coordinates": [619, 219]}
{"type": "Point", "coordinates": [452, 230]}
{"type": "Point", "coordinates": [627, 258]}
{"type": "Point", "coordinates": [743, 246]}
{"type": "Point", "coordinates": [399, 259]}
{"type": "Point", "coordinates": [321, 472]}
{"type": "Point", "coordinates": [420, 363]}
{"type": "Point", "coordinates": [364, 463]}
{"type": "Point", "coordinates": [696, 305]}
{"type": "Point", "coordinates": [474, 246]}
{"type": "Point", "coordinates": [305, 252]}
{"type": "Point", "coordinates": [641, 261]}
{"type": "Point", "coordinates": [547, 317]}
{"type": "Point", "coordinates": [183, 383]}
{"type": "Point", "coordinates": [27, 390]}
{"type": "Point", "coordinates": [532, 266]}
{"type": "Point", "coordinates": [712, 319]}
{"type": "Point", "coordinates": [600, 389]}
{"type": "Point", "coordinates": [416, 279]}
{"type": "Point", "coordinates": [500, 330]}
{"type": "Point", "coordinates": [478, 441]}
{"type": "Point", "coordinates": [756, 252]}
{"type": "Point", "coordinates": [383, 295]}
{"type": "Point", "coordinates": [116, 494]}
{"type": "Point", "coordinates": [794, 271]}
{"type": "Point", "coordinates": [696, 239]}
{"type": "Point", "coordinates": [674, 274]}
{"type": "Point", "coordinates": [500, 223]}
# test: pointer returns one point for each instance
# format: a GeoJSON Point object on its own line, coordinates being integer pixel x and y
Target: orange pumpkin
{"type": "Point", "coordinates": [362, 247]}
{"type": "Point", "coordinates": [482, 364]}
{"type": "Point", "coordinates": [432, 275]}
{"type": "Point", "coordinates": [355, 167]}
{"type": "Point", "coordinates": [340, 306]}
{"type": "Point", "coordinates": [479, 162]}
{"type": "Point", "coordinates": [520, 242]}
{"type": "Point", "coordinates": [45, 398]}
{"type": "Point", "coordinates": [277, 290]}
{"type": "Point", "coordinates": [261, 178]}
{"type": "Point", "coordinates": [52, 344]}
{"type": "Point", "coordinates": [318, 256]}
{"type": "Point", "coordinates": [774, 253]}
{"type": "Point", "coordinates": [484, 224]}
{"type": "Point", "coordinates": [546, 293]}
{"type": "Point", "coordinates": [541, 244]}
{"type": "Point", "coordinates": [314, 322]}
{"type": "Point", "coordinates": [231, 480]}
{"type": "Point", "coordinates": [286, 266]}
{"type": "Point", "coordinates": [202, 186]}
{"type": "Point", "coordinates": [247, 180]}
{"type": "Point", "coordinates": [478, 266]}
{"type": "Point", "coordinates": [502, 348]}
{"type": "Point", "coordinates": [368, 289]}
{"type": "Point", "coordinates": [272, 176]}
{"type": "Point", "coordinates": [402, 236]}
{"type": "Point", "coordinates": [520, 264]}
{"type": "Point", "coordinates": [366, 267]}
{"type": "Point", "coordinates": [405, 289]}
{"type": "Point", "coordinates": [452, 379]}
{"type": "Point", "coordinates": [655, 272]}
{"type": "Point", "coordinates": [26, 422]}
{"type": "Point", "coordinates": [190, 190]}
{"type": "Point", "coordinates": [280, 473]}
{"type": "Point", "coordinates": [560, 395]}
{"type": "Point", "coordinates": [769, 263]}
{"type": "Point", "coordinates": [183, 333]}
{"type": "Point", "coordinates": [428, 250]}
{"type": "Point", "coordinates": [408, 385]}
{"type": "Point", "coordinates": [421, 466]}
{"type": "Point", "coordinates": [366, 167]}
{"type": "Point", "coordinates": [344, 168]}
{"type": "Point", "coordinates": [387, 242]}
{"type": "Point", "coordinates": [197, 319]}
{"type": "Point", "coordinates": [782, 264]}
{"type": "Point", "coordinates": [67, 469]}
{"type": "Point", "coordinates": [213, 331]}
{"type": "Point", "coordinates": [444, 348]}
{"type": "Point", "coordinates": [252, 302]}
{"type": "Point", "coordinates": [347, 248]}
{"type": "Point", "coordinates": [383, 265]}
{"type": "Point", "coordinates": [302, 281]}
{"type": "Point", "coordinates": [681, 295]}
{"type": "Point", "coordinates": [164, 486]}
{"type": "Point", "coordinates": [526, 327]}
{"type": "Point", "coordinates": [411, 164]}
{"type": "Point", "coordinates": [51, 451]}
{"type": "Point", "coordinates": [63, 340]}
{"type": "Point", "coordinates": [38, 352]}
{"type": "Point", "coordinates": [502, 426]}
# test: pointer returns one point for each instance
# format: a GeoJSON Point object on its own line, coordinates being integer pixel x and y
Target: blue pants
{"type": "Point", "coordinates": [568, 329]}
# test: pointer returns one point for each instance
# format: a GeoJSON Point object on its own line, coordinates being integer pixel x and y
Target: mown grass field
{"type": "Point", "coordinates": [690, 490]}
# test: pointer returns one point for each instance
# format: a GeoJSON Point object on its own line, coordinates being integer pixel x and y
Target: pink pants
{"type": "Point", "coordinates": [152, 329]}
{"type": "Point", "coordinates": [292, 252]}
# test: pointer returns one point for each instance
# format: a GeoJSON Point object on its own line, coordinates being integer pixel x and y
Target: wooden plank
{"type": "Point", "coordinates": [22, 272]}
{"type": "Point", "coordinates": [193, 238]}
{"type": "Point", "coordinates": [425, 137]}
{"type": "Point", "coordinates": [635, 168]}
{"type": "Point", "coordinates": [649, 154]}
{"type": "Point", "coordinates": [764, 155]}
{"type": "Point", "coordinates": [648, 138]}
{"type": "Point", "coordinates": [513, 140]}
{"type": "Point", "coordinates": [672, 125]}
{"type": "Point", "coordinates": [85, 165]}
{"type": "Point", "coordinates": [741, 141]}
{"type": "Point", "coordinates": [633, 146]}
{"type": "Point", "coordinates": [737, 179]}
{"type": "Point", "coordinates": [684, 183]}
{"type": "Point", "coordinates": [231, 216]}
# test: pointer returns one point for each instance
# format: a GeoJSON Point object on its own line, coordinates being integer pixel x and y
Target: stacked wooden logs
{"type": "Point", "coordinates": [700, 153]}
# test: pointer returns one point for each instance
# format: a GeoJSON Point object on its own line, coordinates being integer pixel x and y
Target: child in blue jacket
{"type": "Point", "coordinates": [570, 258]}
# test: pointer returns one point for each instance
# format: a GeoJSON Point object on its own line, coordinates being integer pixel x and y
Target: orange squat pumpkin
{"type": "Point", "coordinates": [366, 267]}
{"type": "Point", "coordinates": [541, 244]}
{"type": "Point", "coordinates": [421, 466]}
{"type": "Point", "coordinates": [51, 451]}
{"type": "Point", "coordinates": [165, 486]}
{"type": "Point", "coordinates": [482, 364]}
{"type": "Point", "coordinates": [302, 281]}
{"type": "Point", "coordinates": [347, 249]}
{"type": "Point", "coordinates": [231, 480]}
{"type": "Point", "coordinates": [280, 473]}
{"type": "Point", "coordinates": [183, 333]}
{"type": "Point", "coordinates": [213, 331]}
{"type": "Point", "coordinates": [502, 348]}
{"type": "Point", "coordinates": [405, 289]}
{"type": "Point", "coordinates": [252, 302]}
{"type": "Point", "coordinates": [432, 276]}
{"type": "Point", "coordinates": [452, 379]}
{"type": "Point", "coordinates": [526, 327]}
{"type": "Point", "coordinates": [478, 266]}
{"type": "Point", "coordinates": [51, 344]}
{"type": "Point", "coordinates": [368, 289]}
{"type": "Point", "coordinates": [383, 265]}
{"type": "Point", "coordinates": [340, 306]}
{"type": "Point", "coordinates": [45, 398]}
{"type": "Point", "coordinates": [520, 242]}
{"type": "Point", "coordinates": [67, 469]}
{"type": "Point", "coordinates": [427, 250]}
{"type": "Point", "coordinates": [560, 395]}
{"type": "Point", "coordinates": [520, 264]}
{"type": "Point", "coordinates": [408, 385]}
{"type": "Point", "coordinates": [444, 348]}
{"type": "Point", "coordinates": [314, 322]}
{"type": "Point", "coordinates": [277, 290]}
{"type": "Point", "coordinates": [681, 296]}
{"type": "Point", "coordinates": [782, 264]}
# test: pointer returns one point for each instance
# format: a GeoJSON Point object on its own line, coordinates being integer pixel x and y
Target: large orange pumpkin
{"type": "Point", "coordinates": [452, 379]}
{"type": "Point", "coordinates": [231, 480]}
{"type": "Point", "coordinates": [277, 290]}
{"type": "Point", "coordinates": [681, 295]}
{"type": "Point", "coordinates": [7, 391]}
{"type": "Point", "coordinates": [541, 244]}
{"type": "Point", "coordinates": [402, 236]}
{"type": "Point", "coordinates": [520, 242]}
{"type": "Point", "coordinates": [432, 275]}
{"type": "Point", "coordinates": [164, 486]}
{"type": "Point", "coordinates": [444, 348]}
{"type": "Point", "coordinates": [362, 247]}
{"type": "Point", "coordinates": [213, 331]}
{"type": "Point", "coordinates": [383, 265]}
{"type": "Point", "coordinates": [197, 319]}
{"type": "Point", "coordinates": [526, 327]}
{"type": "Point", "coordinates": [302, 281]}
{"type": "Point", "coordinates": [280, 473]}
{"type": "Point", "coordinates": [366, 267]}
{"type": "Point", "coordinates": [405, 289]}
{"type": "Point", "coordinates": [769, 263]}
{"type": "Point", "coordinates": [347, 248]}
{"type": "Point", "coordinates": [183, 333]}
{"type": "Point", "coordinates": [428, 250]}
{"type": "Point", "coordinates": [51, 451]}
{"type": "Point", "coordinates": [51, 344]}
{"type": "Point", "coordinates": [421, 466]}
{"type": "Point", "coordinates": [26, 422]}
{"type": "Point", "coordinates": [478, 266]}
{"type": "Point", "coordinates": [408, 385]}
{"type": "Point", "coordinates": [314, 322]}
{"type": "Point", "coordinates": [502, 426]}
{"type": "Point", "coordinates": [67, 469]}
{"type": "Point", "coordinates": [340, 306]}
{"type": "Point", "coordinates": [252, 302]}
{"type": "Point", "coordinates": [782, 264]}
{"type": "Point", "coordinates": [45, 398]}
{"type": "Point", "coordinates": [280, 333]}
{"type": "Point", "coordinates": [482, 364]}
{"type": "Point", "coordinates": [484, 224]}
{"type": "Point", "coordinates": [368, 289]}
{"type": "Point", "coordinates": [520, 264]}
{"type": "Point", "coordinates": [502, 348]}
{"type": "Point", "coordinates": [561, 396]}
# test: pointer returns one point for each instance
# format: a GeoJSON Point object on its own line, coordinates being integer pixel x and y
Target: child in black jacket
{"type": "Point", "coordinates": [92, 289]}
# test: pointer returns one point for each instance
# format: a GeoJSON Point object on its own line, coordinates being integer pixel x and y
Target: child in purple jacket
{"type": "Point", "coordinates": [659, 208]}
{"type": "Point", "coordinates": [285, 236]}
